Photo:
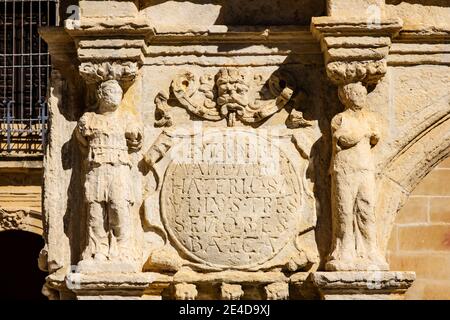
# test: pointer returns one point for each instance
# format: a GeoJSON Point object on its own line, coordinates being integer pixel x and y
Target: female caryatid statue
{"type": "Point", "coordinates": [355, 133]}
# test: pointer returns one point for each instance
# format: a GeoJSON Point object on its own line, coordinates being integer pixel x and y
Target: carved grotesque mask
{"type": "Point", "coordinates": [109, 96]}
{"type": "Point", "coordinates": [233, 90]}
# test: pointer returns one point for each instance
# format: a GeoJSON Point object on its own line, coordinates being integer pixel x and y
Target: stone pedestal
{"type": "Point", "coordinates": [372, 285]}
{"type": "Point", "coordinates": [231, 285]}
{"type": "Point", "coordinates": [138, 286]}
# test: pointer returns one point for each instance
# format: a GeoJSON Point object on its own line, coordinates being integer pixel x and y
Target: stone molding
{"type": "Point", "coordinates": [189, 285]}
{"type": "Point", "coordinates": [420, 45]}
{"type": "Point", "coordinates": [362, 285]}
{"type": "Point", "coordinates": [95, 48]}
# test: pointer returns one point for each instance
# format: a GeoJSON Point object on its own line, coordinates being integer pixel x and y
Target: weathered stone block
{"type": "Point", "coordinates": [440, 209]}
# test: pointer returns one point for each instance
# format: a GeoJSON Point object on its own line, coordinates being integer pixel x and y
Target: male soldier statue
{"type": "Point", "coordinates": [107, 136]}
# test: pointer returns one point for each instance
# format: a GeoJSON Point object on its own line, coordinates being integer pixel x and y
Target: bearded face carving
{"type": "Point", "coordinates": [233, 89]}
{"type": "Point", "coordinates": [231, 93]}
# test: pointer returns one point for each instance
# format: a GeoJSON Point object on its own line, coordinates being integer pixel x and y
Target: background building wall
{"type": "Point", "coordinates": [420, 239]}
{"type": "Point", "coordinates": [21, 188]}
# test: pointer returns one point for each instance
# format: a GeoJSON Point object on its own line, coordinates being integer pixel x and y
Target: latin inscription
{"type": "Point", "coordinates": [232, 211]}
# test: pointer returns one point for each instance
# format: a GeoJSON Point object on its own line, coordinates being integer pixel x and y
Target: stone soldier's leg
{"type": "Point", "coordinates": [120, 219]}
{"type": "Point", "coordinates": [366, 229]}
{"type": "Point", "coordinates": [97, 235]}
{"type": "Point", "coordinates": [121, 226]}
{"type": "Point", "coordinates": [344, 193]}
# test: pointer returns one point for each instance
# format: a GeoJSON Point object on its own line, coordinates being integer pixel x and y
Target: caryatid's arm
{"type": "Point", "coordinates": [375, 134]}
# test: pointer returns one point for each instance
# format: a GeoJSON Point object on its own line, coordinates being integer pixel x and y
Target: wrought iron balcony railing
{"type": "Point", "coordinates": [23, 135]}
{"type": "Point", "coordinates": [24, 74]}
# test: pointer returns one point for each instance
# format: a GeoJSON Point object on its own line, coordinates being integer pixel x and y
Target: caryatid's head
{"type": "Point", "coordinates": [353, 96]}
{"type": "Point", "coordinates": [109, 96]}
{"type": "Point", "coordinates": [233, 90]}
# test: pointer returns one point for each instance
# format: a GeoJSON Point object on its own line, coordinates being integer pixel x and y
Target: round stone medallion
{"type": "Point", "coordinates": [231, 199]}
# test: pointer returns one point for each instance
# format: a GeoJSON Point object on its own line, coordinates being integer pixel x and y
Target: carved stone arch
{"type": "Point", "coordinates": [21, 219]}
{"type": "Point", "coordinates": [406, 170]}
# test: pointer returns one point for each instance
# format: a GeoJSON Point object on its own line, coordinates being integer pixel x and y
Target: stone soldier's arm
{"type": "Point", "coordinates": [80, 131]}
{"type": "Point", "coordinates": [158, 149]}
{"type": "Point", "coordinates": [133, 134]}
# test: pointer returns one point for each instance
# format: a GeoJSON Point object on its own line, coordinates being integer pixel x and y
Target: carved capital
{"type": "Point", "coordinates": [12, 219]}
{"type": "Point", "coordinates": [355, 50]}
{"type": "Point", "coordinates": [231, 291]}
{"type": "Point", "coordinates": [185, 291]}
{"type": "Point", "coordinates": [277, 291]}
{"type": "Point", "coordinates": [109, 49]}
{"type": "Point", "coordinates": [99, 72]}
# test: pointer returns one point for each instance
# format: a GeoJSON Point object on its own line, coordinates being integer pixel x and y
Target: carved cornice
{"type": "Point", "coordinates": [339, 284]}
{"type": "Point", "coordinates": [223, 33]}
{"type": "Point", "coordinates": [230, 46]}
{"type": "Point", "coordinates": [119, 39]}
{"type": "Point", "coordinates": [109, 49]}
{"type": "Point", "coordinates": [417, 45]}
{"type": "Point", "coordinates": [61, 47]}
{"type": "Point", "coordinates": [355, 50]}
{"type": "Point", "coordinates": [100, 26]}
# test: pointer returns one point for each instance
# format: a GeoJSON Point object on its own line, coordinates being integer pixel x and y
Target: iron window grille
{"type": "Point", "coordinates": [24, 74]}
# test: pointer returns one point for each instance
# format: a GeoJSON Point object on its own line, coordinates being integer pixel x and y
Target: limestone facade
{"type": "Point", "coordinates": [420, 237]}
{"type": "Point", "coordinates": [239, 149]}
{"type": "Point", "coordinates": [21, 194]}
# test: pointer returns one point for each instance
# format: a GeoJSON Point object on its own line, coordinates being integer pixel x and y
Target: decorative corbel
{"type": "Point", "coordinates": [109, 40]}
{"type": "Point", "coordinates": [355, 50]}
{"type": "Point", "coordinates": [109, 49]}
{"type": "Point", "coordinates": [121, 71]}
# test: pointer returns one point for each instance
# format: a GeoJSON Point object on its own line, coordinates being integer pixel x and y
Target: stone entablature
{"type": "Point", "coordinates": [221, 155]}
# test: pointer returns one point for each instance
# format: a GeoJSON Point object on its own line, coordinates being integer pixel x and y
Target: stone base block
{"type": "Point", "coordinates": [116, 286]}
{"type": "Point", "coordinates": [230, 285]}
{"type": "Point", "coordinates": [357, 285]}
